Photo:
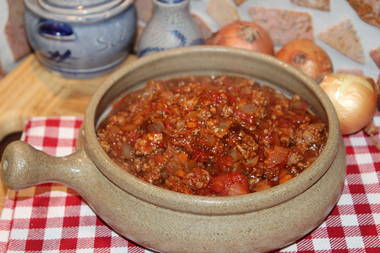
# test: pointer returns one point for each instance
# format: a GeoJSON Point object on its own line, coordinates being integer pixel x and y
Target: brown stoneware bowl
{"type": "Point", "coordinates": [168, 221]}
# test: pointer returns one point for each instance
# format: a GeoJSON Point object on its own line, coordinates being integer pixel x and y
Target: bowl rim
{"type": "Point", "coordinates": [205, 204]}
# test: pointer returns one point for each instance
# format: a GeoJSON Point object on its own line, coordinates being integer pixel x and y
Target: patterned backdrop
{"type": "Point", "coordinates": [349, 30]}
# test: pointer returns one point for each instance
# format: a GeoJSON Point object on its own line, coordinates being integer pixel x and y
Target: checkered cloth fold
{"type": "Point", "coordinates": [53, 218]}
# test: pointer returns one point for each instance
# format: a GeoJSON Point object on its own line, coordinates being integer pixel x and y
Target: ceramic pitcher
{"type": "Point", "coordinates": [171, 26]}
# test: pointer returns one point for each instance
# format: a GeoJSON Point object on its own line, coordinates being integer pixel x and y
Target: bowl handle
{"type": "Point", "coordinates": [22, 166]}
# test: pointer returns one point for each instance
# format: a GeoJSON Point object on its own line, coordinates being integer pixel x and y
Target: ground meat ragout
{"type": "Point", "coordinates": [212, 135]}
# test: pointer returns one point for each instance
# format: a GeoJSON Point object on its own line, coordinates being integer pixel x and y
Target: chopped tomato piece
{"type": "Point", "coordinates": [224, 162]}
{"type": "Point", "coordinates": [229, 184]}
{"type": "Point", "coordinates": [200, 155]}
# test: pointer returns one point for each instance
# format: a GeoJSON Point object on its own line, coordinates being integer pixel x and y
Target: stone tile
{"type": "Point", "coordinates": [204, 28]}
{"type": "Point", "coordinates": [342, 37]}
{"type": "Point", "coordinates": [375, 55]}
{"type": "Point", "coordinates": [283, 25]}
{"type": "Point", "coordinates": [323, 5]}
{"type": "Point", "coordinates": [367, 10]}
{"type": "Point", "coordinates": [222, 11]}
{"type": "Point", "coordinates": [239, 2]}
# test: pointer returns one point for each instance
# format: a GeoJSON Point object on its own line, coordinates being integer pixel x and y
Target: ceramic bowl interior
{"type": "Point", "coordinates": [203, 60]}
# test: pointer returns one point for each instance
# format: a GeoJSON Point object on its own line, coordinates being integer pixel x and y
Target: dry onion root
{"type": "Point", "coordinates": [245, 35]}
{"type": "Point", "coordinates": [372, 131]}
{"type": "Point", "coordinates": [307, 56]}
{"type": "Point", "coordinates": [354, 98]}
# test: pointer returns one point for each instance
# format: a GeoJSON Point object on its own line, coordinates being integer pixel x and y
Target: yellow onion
{"type": "Point", "coordinates": [243, 34]}
{"type": "Point", "coordinates": [307, 56]}
{"type": "Point", "coordinates": [354, 98]}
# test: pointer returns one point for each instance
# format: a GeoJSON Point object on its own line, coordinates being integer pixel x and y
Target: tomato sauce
{"type": "Point", "coordinates": [212, 135]}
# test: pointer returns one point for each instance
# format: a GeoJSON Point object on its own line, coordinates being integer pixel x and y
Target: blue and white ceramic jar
{"type": "Point", "coordinates": [81, 39]}
{"type": "Point", "coordinates": [171, 26]}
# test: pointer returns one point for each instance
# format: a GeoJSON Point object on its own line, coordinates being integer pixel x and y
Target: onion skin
{"type": "Point", "coordinates": [307, 56]}
{"type": "Point", "coordinates": [245, 35]}
{"type": "Point", "coordinates": [354, 98]}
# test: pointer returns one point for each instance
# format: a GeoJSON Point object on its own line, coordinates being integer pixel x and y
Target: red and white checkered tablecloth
{"type": "Point", "coordinates": [53, 218]}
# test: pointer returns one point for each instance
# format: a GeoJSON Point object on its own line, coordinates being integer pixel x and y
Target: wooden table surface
{"type": "Point", "coordinates": [31, 90]}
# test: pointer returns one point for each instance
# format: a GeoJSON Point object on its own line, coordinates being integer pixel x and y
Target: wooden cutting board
{"type": "Point", "coordinates": [31, 90]}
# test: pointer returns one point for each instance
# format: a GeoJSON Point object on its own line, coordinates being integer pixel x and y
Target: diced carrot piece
{"type": "Point", "coordinates": [182, 158]}
{"type": "Point", "coordinates": [181, 173]}
{"type": "Point", "coordinates": [191, 124]}
{"type": "Point", "coordinates": [285, 178]}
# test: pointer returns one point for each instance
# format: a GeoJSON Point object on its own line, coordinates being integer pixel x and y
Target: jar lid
{"type": "Point", "coordinates": [77, 10]}
{"type": "Point", "coordinates": [78, 6]}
